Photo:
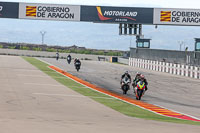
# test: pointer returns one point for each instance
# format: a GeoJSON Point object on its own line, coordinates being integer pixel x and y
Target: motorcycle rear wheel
{"type": "Point", "coordinates": [125, 89]}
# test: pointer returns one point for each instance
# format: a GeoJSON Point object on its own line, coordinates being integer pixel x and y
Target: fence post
{"type": "Point", "coordinates": [196, 72]}
{"type": "Point", "coordinates": [146, 64]}
{"type": "Point", "coordinates": [178, 69]}
{"type": "Point", "coordinates": [191, 71]}
{"type": "Point", "coordinates": [167, 67]}
{"type": "Point", "coordinates": [129, 61]}
{"type": "Point", "coordinates": [147, 67]}
{"type": "Point", "coordinates": [154, 65]}
{"type": "Point", "coordinates": [134, 62]}
{"type": "Point", "coordinates": [151, 67]}
{"type": "Point", "coordinates": [187, 71]}
{"type": "Point", "coordinates": [182, 70]}
{"type": "Point", "coordinates": [160, 66]}
{"type": "Point", "coordinates": [170, 68]}
{"type": "Point", "coordinates": [140, 63]}
{"type": "Point", "coordinates": [143, 63]}
{"type": "Point", "coordinates": [174, 69]}
{"type": "Point", "coordinates": [163, 67]}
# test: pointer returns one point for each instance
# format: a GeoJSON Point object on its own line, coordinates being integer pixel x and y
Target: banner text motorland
{"type": "Point", "coordinates": [120, 13]}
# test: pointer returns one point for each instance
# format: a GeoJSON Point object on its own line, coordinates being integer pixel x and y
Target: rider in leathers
{"type": "Point", "coordinates": [139, 77]}
{"type": "Point", "coordinates": [77, 60]}
{"type": "Point", "coordinates": [125, 74]}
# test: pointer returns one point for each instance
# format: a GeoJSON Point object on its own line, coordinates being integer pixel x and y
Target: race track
{"type": "Point", "coordinates": [33, 102]}
{"type": "Point", "coordinates": [173, 92]}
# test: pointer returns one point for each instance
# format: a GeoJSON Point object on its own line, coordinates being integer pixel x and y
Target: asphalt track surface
{"type": "Point", "coordinates": [173, 92]}
{"type": "Point", "coordinates": [33, 102]}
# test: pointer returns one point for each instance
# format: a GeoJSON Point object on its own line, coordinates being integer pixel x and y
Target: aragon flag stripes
{"type": "Point", "coordinates": [165, 16]}
{"type": "Point", "coordinates": [31, 11]}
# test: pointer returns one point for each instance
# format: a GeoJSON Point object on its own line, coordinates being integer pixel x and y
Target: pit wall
{"type": "Point", "coordinates": [123, 60]}
{"type": "Point", "coordinates": [176, 69]}
{"type": "Point", "coordinates": [172, 56]}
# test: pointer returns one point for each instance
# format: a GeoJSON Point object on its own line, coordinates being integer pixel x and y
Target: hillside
{"type": "Point", "coordinates": [62, 49]}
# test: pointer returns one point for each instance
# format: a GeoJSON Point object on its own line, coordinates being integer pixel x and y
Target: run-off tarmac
{"type": "Point", "coordinates": [33, 102]}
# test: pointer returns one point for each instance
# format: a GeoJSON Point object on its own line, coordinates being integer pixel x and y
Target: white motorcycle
{"type": "Point", "coordinates": [125, 84]}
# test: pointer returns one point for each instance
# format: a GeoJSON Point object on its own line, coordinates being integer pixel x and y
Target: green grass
{"type": "Point", "coordinates": [118, 63]}
{"type": "Point", "coordinates": [125, 108]}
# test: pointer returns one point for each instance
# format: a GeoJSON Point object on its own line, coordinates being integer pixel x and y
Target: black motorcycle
{"type": "Point", "coordinates": [77, 65]}
{"type": "Point", "coordinates": [57, 56]}
{"type": "Point", "coordinates": [69, 60]}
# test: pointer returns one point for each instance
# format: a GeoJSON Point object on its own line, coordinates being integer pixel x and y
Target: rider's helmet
{"type": "Point", "coordinates": [126, 72]}
{"type": "Point", "coordinates": [142, 77]}
{"type": "Point", "coordinates": [138, 74]}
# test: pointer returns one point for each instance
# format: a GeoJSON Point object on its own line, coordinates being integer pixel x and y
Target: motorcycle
{"type": "Point", "coordinates": [139, 90]}
{"type": "Point", "coordinates": [57, 57]}
{"type": "Point", "coordinates": [125, 85]}
{"type": "Point", "coordinates": [68, 60]}
{"type": "Point", "coordinates": [77, 65]}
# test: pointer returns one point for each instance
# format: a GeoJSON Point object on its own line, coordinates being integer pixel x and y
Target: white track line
{"type": "Point", "coordinates": [110, 95]}
{"type": "Point", "coordinates": [23, 75]}
{"type": "Point", "coordinates": [43, 84]}
{"type": "Point", "coordinates": [79, 96]}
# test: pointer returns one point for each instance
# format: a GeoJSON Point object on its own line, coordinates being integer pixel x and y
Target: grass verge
{"type": "Point", "coordinates": [115, 104]}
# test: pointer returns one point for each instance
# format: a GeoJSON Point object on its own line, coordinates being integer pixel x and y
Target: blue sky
{"type": "Point", "coordinates": [100, 36]}
{"type": "Point", "coordinates": [142, 3]}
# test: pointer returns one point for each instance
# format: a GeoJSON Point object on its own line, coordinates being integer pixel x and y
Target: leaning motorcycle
{"type": "Point", "coordinates": [139, 90]}
{"type": "Point", "coordinates": [77, 65]}
{"type": "Point", "coordinates": [125, 84]}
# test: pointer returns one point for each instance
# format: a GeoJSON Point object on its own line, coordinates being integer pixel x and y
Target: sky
{"type": "Point", "coordinates": [100, 36]}
{"type": "Point", "coordinates": [142, 3]}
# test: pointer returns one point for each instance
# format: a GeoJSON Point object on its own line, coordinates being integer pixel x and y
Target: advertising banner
{"type": "Point", "coordinates": [176, 16]}
{"type": "Point", "coordinates": [103, 14]}
{"type": "Point", "coordinates": [9, 10]}
{"type": "Point", "coordinates": [49, 12]}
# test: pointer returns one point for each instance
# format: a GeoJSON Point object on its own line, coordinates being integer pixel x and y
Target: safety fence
{"type": "Point", "coordinates": [176, 69]}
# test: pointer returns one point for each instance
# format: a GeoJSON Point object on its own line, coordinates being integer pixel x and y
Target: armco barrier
{"type": "Point", "coordinates": [176, 69]}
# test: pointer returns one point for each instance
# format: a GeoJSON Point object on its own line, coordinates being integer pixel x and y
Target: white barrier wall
{"type": "Point", "coordinates": [176, 69]}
